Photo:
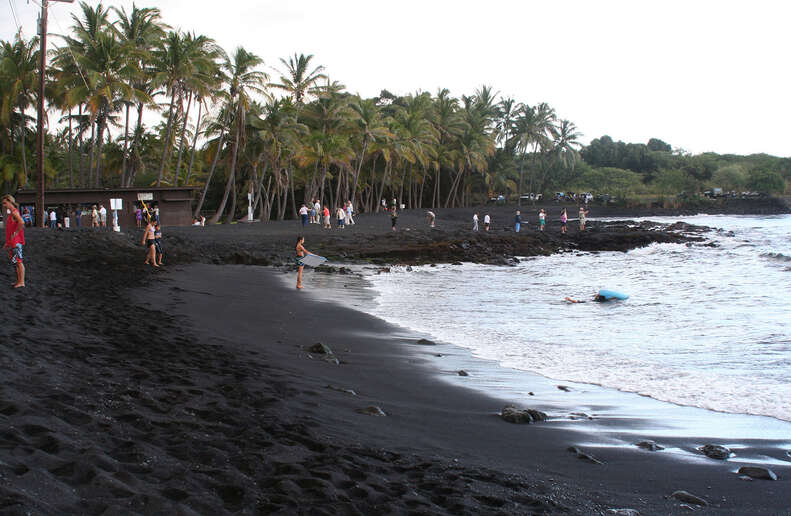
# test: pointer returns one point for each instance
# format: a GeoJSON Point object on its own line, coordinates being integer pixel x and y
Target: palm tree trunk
{"type": "Point", "coordinates": [167, 139]}
{"type": "Point", "coordinates": [291, 186]}
{"type": "Point", "coordinates": [231, 174]}
{"type": "Point", "coordinates": [93, 149]}
{"type": "Point", "coordinates": [234, 196]}
{"type": "Point", "coordinates": [99, 151]}
{"type": "Point", "coordinates": [211, 173]}
{"type": "Point", "coordinates": [521, 176]}
{"type": "Point", "coordinates": [359, 167]}
{"type": "Point", "coordinates": [126, 146]}
{"type": "Point", "coordinates": [71, 155]}
{"type": "Point", "coordinates": [130, 180]}
{"type": "Point", "coordinates": [382, 184]}
{"type": "Point", "coordinates": [181, 145]}
{"type": "Point", "coordinates": [194, 143]}
{"type": "Point", "coordinates": [22, 142]}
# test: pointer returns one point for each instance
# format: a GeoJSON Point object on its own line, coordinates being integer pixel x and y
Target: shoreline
{"type": "Point", "coordinates": [190, 390]}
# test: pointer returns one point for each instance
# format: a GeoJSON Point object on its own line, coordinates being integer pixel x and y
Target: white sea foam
{"type": "Point", "coordinates": [704, 326]}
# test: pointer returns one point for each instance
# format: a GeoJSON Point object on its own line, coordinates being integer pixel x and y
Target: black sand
{"type": "Point", "coordinates": [191, 391]}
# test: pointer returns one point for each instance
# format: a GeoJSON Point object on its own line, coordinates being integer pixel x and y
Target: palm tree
{"type": "Point", "coordinates": [532, 127]}
{"type": "Point", "coordinates": [139, 31]}
{"type": "Point", "coordinates": [181, 62]}
{"type": "Point", "coordinates": [18, 76]}
{"type": "Point", "coordinates": [297, 81]}
{"type": "Point", "coordinates": [243, 79]}
{"type": "Point", "coordinates": [370, 124]}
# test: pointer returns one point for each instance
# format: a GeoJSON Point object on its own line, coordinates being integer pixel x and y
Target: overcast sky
{"type": "Point", "coordinates": [701, 75]}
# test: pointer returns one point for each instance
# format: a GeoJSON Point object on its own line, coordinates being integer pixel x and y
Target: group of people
{"type": "Point", "coordinates": [542, 220]}
{"type": "Point", "coordinates": [316, 215]}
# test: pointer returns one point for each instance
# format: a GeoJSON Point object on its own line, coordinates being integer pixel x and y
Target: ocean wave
{"type": "Point", "coordinates": [779, 257]}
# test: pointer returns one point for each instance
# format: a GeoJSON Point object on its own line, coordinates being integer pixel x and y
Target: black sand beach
{"type": "Point", "coordinates": [193, 390]}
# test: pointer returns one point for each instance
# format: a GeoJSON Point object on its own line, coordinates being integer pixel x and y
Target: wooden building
{"type": "Point", "coordinates": [175, 204]}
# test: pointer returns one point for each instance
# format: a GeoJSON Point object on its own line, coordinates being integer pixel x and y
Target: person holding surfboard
{"type": "Point", "coordinates": [301, 253]}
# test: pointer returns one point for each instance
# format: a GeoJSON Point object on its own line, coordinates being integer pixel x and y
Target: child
{"type": "Point", "coordinates": [542, 219]}
{"type": "Point", "coordinates": [158, 243]}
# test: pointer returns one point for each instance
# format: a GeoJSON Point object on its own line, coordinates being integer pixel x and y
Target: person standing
{"type": "Point", "coordinates": [139, 217]}
{"type": "Point", "coordinates": [14, 237]}
{"type": "Point", "coordinates": [303, 213]}
{"type": "Point", "coordinates": [542, 219]}
{"type": "Point", "coordinates": [94, 217]}
{"type": "Point", "coordinates": [327, 218]}
{"type": "Point", "coordinates": [103, 215]}
{"type": "Point", "coordinates": [341, 214]}
{"type": "Point", "coordinates": [475, 221]}
{"type": "Point", "coordinates": [583, 215]}
{"type": "Point", "coordinates": [148, 241]}
{"type": "Point", "coordinates": [349, 213]}
{"type": "Point", "coordinates": [393, 217]}
{"type": "Point", "coordinates": [53, 219]}
{"type": "Point", "coordinates": [301, 252]}
{"type": "Point", "coordinates": [564, 218]}
{"type": "Point", "coordinates": [487, 220]}
{"type": "Point", "coordinates": [158, 243]}
{"type": "Point", "coordinates": [517, 221]}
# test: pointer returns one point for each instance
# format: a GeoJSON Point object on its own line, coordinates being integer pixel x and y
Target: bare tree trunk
{"type": "Point", "coordinates": [93, 148]}
{"type": "Point", "coordinates": [231, 179]}
{"type": "Point", "coordinates": [71, 155]}
{"type": "Point", "coordinates": [130, 180]}
{"type": "Point", "coordinates": [194, 143]}
{"type": "Point", "coordinates": [211, 172]}
{"type": "Point", "coordinates": [181, 145]}
{"type": "Point", "coordinates": [126, 147]}
{"type": "Point", "coordinates": [167, 138]}
{"type": "Point", "coordinates": [291, 185]}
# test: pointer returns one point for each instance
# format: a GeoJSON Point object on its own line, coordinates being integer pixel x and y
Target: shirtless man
{"type": "Point", "coordinates": [14, 238]}
{"type": "Point", "coordinates": [301, 253]}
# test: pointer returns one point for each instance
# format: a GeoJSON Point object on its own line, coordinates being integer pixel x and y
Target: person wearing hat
{"type": "Point", "coordinates": [14, 237]}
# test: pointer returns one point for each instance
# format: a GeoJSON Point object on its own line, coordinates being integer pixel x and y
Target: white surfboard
{"type": "Point", "coordinates": [313, 260]}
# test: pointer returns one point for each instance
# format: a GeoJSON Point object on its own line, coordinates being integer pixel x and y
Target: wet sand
{"type": "Point", "coordinates": [191, 390]}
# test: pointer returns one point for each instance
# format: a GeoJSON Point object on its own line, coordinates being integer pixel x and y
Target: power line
{"type": "Point", "coordinates": [13, 15]}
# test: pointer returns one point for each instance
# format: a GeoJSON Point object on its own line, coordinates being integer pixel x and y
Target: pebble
{"type": "Point", "coordinates": [462, 372]}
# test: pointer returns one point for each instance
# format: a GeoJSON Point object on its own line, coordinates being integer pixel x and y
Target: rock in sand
{"type": "Point", "coordinates": [649, 445]}
{"type": "Point", "coordinates": [715, 451]}
{"type": "Point", "coordinates": [320, 349]}
{"type": "Point", "coordinates": [462, 372]}
{"type": "Point", "coordinates": [373, 410]}
{"type": "Point", "coordinates": [687, 497]}
{"type": "Point", "coordinates": [584, 456]}
{"type": "Point", "coordinates": [757, 472]}
{"type": "Point", "coordinates": [519, 416]}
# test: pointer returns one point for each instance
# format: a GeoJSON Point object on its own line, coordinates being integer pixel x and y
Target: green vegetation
{"type": "Point", "coordinates": [228, 128]}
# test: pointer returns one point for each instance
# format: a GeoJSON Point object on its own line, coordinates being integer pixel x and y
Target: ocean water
{"type": "Point", "coordinates": [704, 326]}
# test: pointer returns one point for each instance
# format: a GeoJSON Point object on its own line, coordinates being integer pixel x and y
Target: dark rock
{"type": "Point", "coordinates": [579, 415]}
{"type": "Point", "coordinates": [715, 451]}
{"type": "Point", "coordinates": [341, 389]}
{"type": "Point", "coordinates": [584, 456]}
{"type": "Point", "coordinates": [757, 472]}
{"type": "Point", "coordinates": [425, 342]}
{"type": "Point", "coordinates": [684, 496]}
{"type": "Point", "coordinates": [622, 512]}
{"type": "Point", "coordinates": [320, 349]}
{"type": "Point", "coordinates": [519, 416]}
{"type": "Point", "coordinates": [649, 445]}
{"type": "Point", "coordinates": [373, 410]}
{"type": "Point", "coordinates": [564, 388]}
{"type": "Point", "coordinates": [530, 393]}
{"type": "Point", "coordinates": [462, 372]}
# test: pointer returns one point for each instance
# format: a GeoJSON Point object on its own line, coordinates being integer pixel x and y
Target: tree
{"type": "Point", "coordinates": [766, 181]}
{"type": "Point", "coordinates": [297, 80]}
{"type": "Point", "coordinates": [243, 80]}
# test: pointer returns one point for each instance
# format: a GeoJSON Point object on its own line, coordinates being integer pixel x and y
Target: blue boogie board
{"type": "Point", "coordinates": [612, 294]}
{"type": "Point", "coordinates": [312, 260]}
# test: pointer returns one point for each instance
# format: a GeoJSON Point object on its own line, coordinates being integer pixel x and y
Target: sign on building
{"type": "Point", "coordinates": [145, 196]}
{"type": "Point", "coordinates": [116, 204]}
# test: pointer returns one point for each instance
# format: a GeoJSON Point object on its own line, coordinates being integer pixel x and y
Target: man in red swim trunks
{"type": "Point", "coordinates": [14, 237]}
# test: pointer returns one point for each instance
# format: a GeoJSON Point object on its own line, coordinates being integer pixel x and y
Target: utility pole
{"type": "Point", "coordinates": [40, 121]}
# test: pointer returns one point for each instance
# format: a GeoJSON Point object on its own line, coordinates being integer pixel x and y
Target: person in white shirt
{"type": "Point", "coordinates": [486, 221]}
{"type": "Point", "coordinates": [341, 216]}
{"type": "Point", "coordinates": [317, 207]}
{"type": "Point", "coordinates": [475, 222]}
{"type": "Point", "coordinates": [53, 219]}
{"type": "Point", "coordinates": [303, 213]}
{"type": "Point", "coordinates": [103, 215]}
{"type": "Point", "coordinates": [349, 213]}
